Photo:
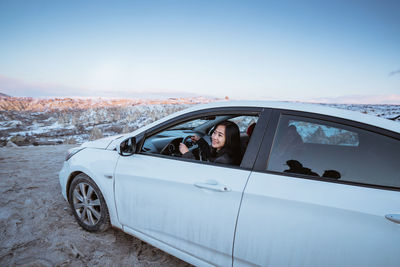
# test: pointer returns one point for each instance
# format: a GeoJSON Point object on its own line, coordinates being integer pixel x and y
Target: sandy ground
{"type": "Point", "coordinates": [38, 228]}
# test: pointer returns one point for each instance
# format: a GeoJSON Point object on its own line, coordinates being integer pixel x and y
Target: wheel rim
{"type": "Point", "coordinates": [87, 204]}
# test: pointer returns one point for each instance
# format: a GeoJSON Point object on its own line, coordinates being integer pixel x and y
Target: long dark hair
{"type": "Point", "coordinates": [232, 141]}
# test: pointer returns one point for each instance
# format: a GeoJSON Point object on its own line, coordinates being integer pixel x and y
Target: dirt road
{"type": "Point", "coordinates": [38, 228]}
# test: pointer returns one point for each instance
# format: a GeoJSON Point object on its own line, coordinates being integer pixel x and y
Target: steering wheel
{"type": "Point", "coordinates": [172, 148]}
{"type": "Point", "coordinates": [196, 149]}
{"type": "Point", "coordinates": [188, 141]}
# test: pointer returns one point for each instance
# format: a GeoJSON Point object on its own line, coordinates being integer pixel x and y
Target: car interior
{"type": "Point", "coordinates": [166, 142]}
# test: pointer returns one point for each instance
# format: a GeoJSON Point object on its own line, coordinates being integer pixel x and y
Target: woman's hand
{"type": "Point", "coordinates": [183, 148]}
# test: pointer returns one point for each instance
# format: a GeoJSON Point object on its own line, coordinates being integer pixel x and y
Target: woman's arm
{"type": "Point", "coordinates": [185, 152]}
{"type": "Point", "coordinates": [203, 147]}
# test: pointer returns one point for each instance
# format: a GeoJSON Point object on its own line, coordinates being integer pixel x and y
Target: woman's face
{"type": "Point", "coordinates": [218, 137]}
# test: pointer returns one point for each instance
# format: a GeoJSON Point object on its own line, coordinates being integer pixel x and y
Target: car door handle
{"type": "Point", "coordinates": [393, 217]}
{"type": "Point", "coordinates": [213, 185]}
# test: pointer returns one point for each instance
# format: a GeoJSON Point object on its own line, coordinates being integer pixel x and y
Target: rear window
{"type": "Point", "coordinates": [322, 134]}
{"type": "Point", "coordinates": [324, 149]}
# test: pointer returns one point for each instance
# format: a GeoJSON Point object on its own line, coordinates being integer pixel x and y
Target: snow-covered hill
{"type": "Point", "coordinates": [67, 104]}
{"type": "Point", "coordinates": [29, 121]}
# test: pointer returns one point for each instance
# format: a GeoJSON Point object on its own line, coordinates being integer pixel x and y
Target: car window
{"type": "Point", "coordinates": [166, 142]}
{"type": "Point", "coordinates": [330, 150]}
{"type": "Point", "coordinates": [322, 134]}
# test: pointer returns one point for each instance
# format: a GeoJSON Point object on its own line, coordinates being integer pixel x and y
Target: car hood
{"type": "Point", "coordinates": [101, 143]}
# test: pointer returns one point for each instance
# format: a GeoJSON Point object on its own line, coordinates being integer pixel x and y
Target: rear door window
{"type": "Point", "coordinates": [314, 133]}
{"type": "Point", "coordinates": [336, 151]}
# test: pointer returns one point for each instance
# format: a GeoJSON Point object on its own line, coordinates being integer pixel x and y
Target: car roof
{"type": "Point", "coordinates": [311, 108]}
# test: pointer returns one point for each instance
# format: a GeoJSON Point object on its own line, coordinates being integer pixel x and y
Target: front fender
{"type": "Point", "coordinates": [99, 165]}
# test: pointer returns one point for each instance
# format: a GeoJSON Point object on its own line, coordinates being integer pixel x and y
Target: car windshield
{"type": "Point", "coordinates": [190, 125]}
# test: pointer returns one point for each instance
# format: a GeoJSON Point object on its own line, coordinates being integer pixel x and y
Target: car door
{"type": "Point", "coordinates": [185, 205]}
{"type": "Point", "coordinates": [333, 200]}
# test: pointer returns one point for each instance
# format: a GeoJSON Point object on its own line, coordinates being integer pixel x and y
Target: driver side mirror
{"type": "Point", "coordinates": [127, 147]}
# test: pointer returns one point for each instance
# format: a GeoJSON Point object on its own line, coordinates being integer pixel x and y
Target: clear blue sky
{"type": "Point", "coordinates": [290, 50]}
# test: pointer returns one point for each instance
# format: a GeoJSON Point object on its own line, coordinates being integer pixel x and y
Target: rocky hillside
{"type": "Point", "coordinates": [4, 95]}
{"type": "Point", "coordinates": [70, 104]}
{"type": "Point", "coordinates": [30, 121]}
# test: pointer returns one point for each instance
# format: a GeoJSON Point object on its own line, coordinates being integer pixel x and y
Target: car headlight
{"type": "Point", "coordinates": [73, 151]}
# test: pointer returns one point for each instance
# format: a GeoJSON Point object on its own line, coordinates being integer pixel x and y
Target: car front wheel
{"type": "Point", "coordinates": [88, 204]}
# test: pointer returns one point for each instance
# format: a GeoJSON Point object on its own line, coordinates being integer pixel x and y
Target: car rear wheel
{"type": "Point", "coordinates": [88, 204]}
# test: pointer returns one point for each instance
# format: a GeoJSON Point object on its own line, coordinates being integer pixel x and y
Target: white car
{"type": "Point", "coordinates": [316, 186]}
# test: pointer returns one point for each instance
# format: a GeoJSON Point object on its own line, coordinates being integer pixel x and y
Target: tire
{"type": "Point", "coordinates": [88, 204]}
